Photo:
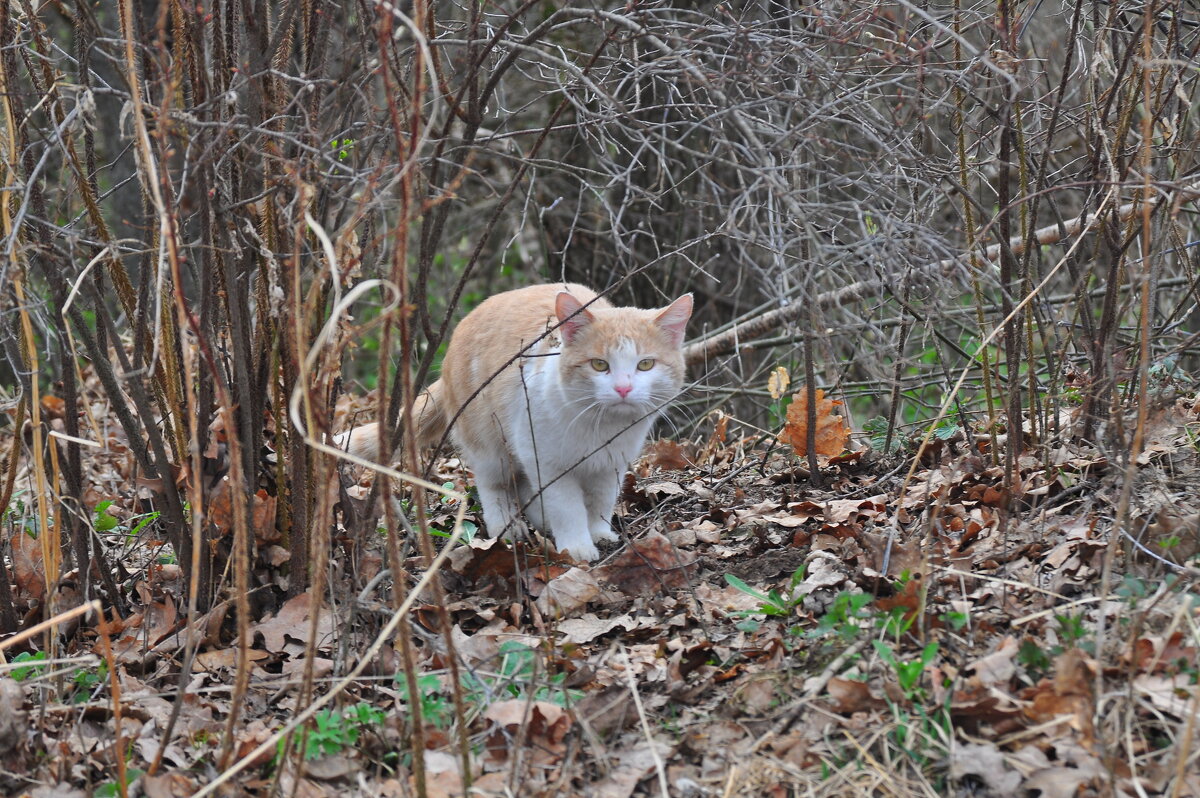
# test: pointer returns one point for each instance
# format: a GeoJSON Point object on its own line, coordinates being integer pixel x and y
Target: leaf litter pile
{"type": "Point", "coordinates": [917, 624]}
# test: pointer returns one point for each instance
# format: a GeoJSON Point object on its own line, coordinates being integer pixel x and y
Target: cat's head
{"type": "Point", "coordinates": [623, 361]}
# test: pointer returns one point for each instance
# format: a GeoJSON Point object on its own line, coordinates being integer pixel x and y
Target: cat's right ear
{"type": "Point", "coordinates": [674, 318]}
{"type": "Point", "coordinates": [572, 315]}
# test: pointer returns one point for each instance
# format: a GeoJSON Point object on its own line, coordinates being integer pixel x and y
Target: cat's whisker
{"type": "Point", "coordinates": [578, 415]}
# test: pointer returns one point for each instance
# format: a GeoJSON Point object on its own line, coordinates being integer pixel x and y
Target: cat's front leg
{"type": "Point", "coordinates": [532, 505]}
{"type": "Point", "coordinates": [566, 515]}
{"type": "Point", "coordinates": [499, 496]}
{"type": "Point", "coordinates": [600, 496]}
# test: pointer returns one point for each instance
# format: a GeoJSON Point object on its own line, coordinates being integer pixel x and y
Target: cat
{"type": "Point", "coordinates": [560, 389]}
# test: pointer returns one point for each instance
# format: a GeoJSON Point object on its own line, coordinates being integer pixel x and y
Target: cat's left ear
{"type": "Point", "coordinates": [674, 317]}
{"type": "Point", "coordinates": [572, 315]}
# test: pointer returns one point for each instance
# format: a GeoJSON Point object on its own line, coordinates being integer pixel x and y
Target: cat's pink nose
{"type": "Point", "coordinates": [623, 390]}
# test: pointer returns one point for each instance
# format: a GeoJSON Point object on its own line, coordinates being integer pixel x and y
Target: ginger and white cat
{"type": "Point", "coordinates": [553, 432]}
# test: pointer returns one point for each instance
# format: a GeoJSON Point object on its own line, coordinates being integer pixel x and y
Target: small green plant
{"type": "Point", "coordinates": [1192, 431]}
{"type": "Point", "coordinates": [772, 604]}
{"type": "Point", "coordinates": [945, 431]}
{"type": "Point", "coordinates": [1033, 658]}
{"type": "Point", "coordinates": [336, 730]}
{"type": "Point", "coordinates": [469, 530]}
{"type": "Point", "coordinates": [103, 521]}
{"type": "Point", "coordinates": [955, 620]}
{"type": "Point", "coordinates": [106, 523]}
{"type": "Point", "coordinates": [777, 386]}
{"type": "Point", "coordinates": [436, 705]}
{"type": "Point", "coordinates": [473, 506]}
{"type": "Point", "coordinates": [922, 736]}
{"type": "Point", "coordinates": [1071, 629]}
{"type": "Point", "coordinates": [908, 674]}
{"type": "Point", "coordinates": [86, 680]}
{"type": "Point", "coordinates": [846, 617]}
{"type": "Point", "coordinates": [1036, 658]}
{"type": "Point", "coordinates": [876, 429]}
{"type": "Point", "coordinates": [21, 516]}
{"type": "Point", "coordinates": [22, 673]}
{"type": "Point", "coordinates": [110, 789]}
{"type": "Point", "coordinates": [897, 620]}
{"type": "Point", "coordinates": [518, 676]}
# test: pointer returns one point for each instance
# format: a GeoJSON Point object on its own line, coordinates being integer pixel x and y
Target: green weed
{"type": "Point", "coordinates": [110, 789]}
{"type": "Point", "coordinates": [517, 675]}
{"type": "Point", "coordinates": [24, 672]}
{"type": "Point", "coordinates": [846, 617]}
{"type": "Point", "coordinates": [436, 706]}
{"type": "Point", "coordinates": [334, 731]}
{"type": "Point", "coordinates": [772, 604]}
{"type": "Point", "coordinates": [908, 674]}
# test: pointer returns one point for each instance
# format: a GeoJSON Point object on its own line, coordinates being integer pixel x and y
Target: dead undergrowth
{"type": "Point", "coordinates": [886, 633]}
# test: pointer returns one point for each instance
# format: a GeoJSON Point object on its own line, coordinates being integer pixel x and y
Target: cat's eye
{"type": "Point", "coordinates": [645, 364]}
{"type": "Point", "coordinates": [599, 365]}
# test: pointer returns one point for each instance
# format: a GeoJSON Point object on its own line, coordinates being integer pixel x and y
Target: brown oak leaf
{"type": "Point", "coordinates": [832, 432]}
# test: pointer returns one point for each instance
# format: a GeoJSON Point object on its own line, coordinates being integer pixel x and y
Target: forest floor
{"type": "Point", "coordinates": [897, 630]}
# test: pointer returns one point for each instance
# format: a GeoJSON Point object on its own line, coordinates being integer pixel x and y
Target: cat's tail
{"type": "Point", "coordinates": [429, 422]}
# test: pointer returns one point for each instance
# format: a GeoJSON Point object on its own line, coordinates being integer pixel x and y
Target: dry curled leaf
{"type": "Point", "coordinates": [650, 565]}
{"type": "Point", "coordinates": [832, 432]}
{"type": "Point", "coordinates": [53, 407]}
{"type": "Point", "coordinates": [544, 725]}
{"type": "Point", "coordinates": [778, 382]}
{"type": "Point", "coordinates": [667, 455]}
{"type": "Point", "coordinates": [567, 593]}
{"type": "Point", "coordinates": [28, 571]}
{"type": "Point", "coordinates": [850, 696]}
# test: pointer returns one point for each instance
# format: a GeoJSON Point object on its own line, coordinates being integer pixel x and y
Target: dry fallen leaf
{"type": "Point", "coordinates": [1173, 695]}
{"type": "Point", "coordinates": [665, 488]}
{"type": "Point", "coordinates": [997, 668]}
{"type": "Point", "coordinates": [13, 724]}
{"type": "Point", "coordinates": [650, 565]}
{"type": "Point", "coordinates": [167, 785]}
{"type": "Point", "coordinates": [224, 658]}
{"type": "Point", "coordinates": [778, 382]}
{"type": "Point", "coordinates": [1067, 698]}
{"type": "Point", "coordinates": [53, 407]}
{"type": "Point", "coordinates": [986, 763]}
{"type": "Point", "coordinates": [27, 564]}
{"type": "Point", "coordinates": [628, 769]}
{"type": "Point", "coordinates": [851, 695]}
{"type": "Point", "coordinates": [260, 513]}
{"type": "Point", "coordinates": [666, 455]}
{"type": "Point", "coordinates": [543, 724]}
{"type": "Point", "coordinates": [587, 628]}
{"type": "Point", "coordinates": [292, 622]}
{"type": "Point", "coordinates": [567, 593]}
{"type": "Point", "coordinates": [832, 432]}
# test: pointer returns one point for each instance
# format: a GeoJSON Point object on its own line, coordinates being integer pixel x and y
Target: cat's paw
{"type": "Point", "coordinates": [602, 533]}
{"type": "Point", "coordinates": [578, 546]}
{"type": "Point", "coordinates": [517, 530]}
{"type": "Point", "coordinates": [511, 528]}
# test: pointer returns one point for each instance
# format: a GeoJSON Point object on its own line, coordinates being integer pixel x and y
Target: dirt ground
{"type": "Point", "coordinates": [896, 629]}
